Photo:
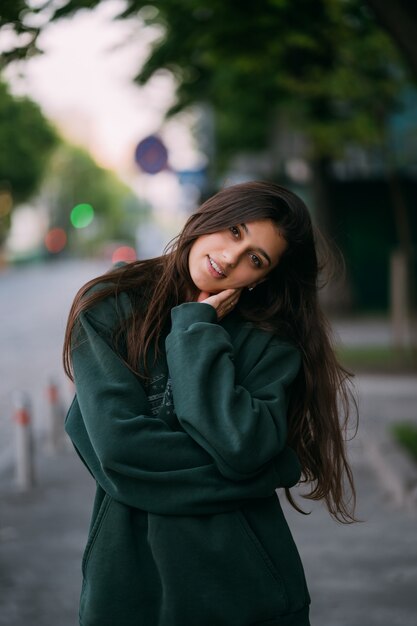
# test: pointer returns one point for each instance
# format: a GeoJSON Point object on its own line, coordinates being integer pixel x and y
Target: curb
{"type": "Point", "coordinates": [395, 469]}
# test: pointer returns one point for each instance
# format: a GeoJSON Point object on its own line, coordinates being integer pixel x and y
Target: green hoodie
{"type": "Point", "coordinates": [187, 529]}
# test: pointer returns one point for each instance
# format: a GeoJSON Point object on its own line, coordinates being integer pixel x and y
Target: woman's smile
{"type": "Point", "coordinates": [215, 269]}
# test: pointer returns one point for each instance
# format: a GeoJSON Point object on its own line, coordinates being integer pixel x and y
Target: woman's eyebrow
{"type": "Point", "coordinates": [260, 250]}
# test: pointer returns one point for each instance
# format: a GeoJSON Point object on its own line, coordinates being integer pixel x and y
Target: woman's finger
{"type": "Point", "coordinates": [224, 301]}
{"type": "Point", "coordinates": [226, 295]}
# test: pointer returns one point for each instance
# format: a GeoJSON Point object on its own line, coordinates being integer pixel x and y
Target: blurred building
{"type": "Point", "coordinates": [369, 191]}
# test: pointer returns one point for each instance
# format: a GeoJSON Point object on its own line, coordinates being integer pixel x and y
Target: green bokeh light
{"type": "Point", "coordinates": [82, 215]}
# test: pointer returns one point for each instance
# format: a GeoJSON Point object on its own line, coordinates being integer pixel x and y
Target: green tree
{"type": "Point", "coordinates": [324, 66]}
{"type": "Point", "coordinates": [326, 62]}
{"type": "Point", "coordinates": [26, 140]}
{"type": "Point", "coordinates": [15, 16]}
{"type": "Point", "coordinates": [75, 178]}
{"type": "Point", "coordinates": [398, 18]}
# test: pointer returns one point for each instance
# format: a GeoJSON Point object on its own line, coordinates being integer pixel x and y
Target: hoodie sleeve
{"type": "Point", "coordinates": [137, 458]}
{"type": "Point", "coordinates": [241, 426]}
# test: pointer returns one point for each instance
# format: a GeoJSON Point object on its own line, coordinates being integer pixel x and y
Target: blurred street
{"type": "Point", "coordinates": [364, 574]}
{"type": "Point", "coordinates": [35, 301]}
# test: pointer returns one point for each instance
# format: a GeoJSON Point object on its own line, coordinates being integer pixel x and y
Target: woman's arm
{"type": "Point", "coordinates": [241, 426]}
{"type": "Point", "coordinates": [137, 458]}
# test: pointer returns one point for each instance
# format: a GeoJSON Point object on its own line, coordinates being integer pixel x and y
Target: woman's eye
{"type": "Point", "coordinates": [235, 231]}
{"type": "Point", "coordinates": [256, 260]}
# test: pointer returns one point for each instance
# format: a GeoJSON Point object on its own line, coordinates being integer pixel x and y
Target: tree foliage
{"type": "Point", "coordinates": [325, 64]}
{"type": "Point", "coordinates": [15, 17]}
{"type": "Point", "coordinates": [26, 140]}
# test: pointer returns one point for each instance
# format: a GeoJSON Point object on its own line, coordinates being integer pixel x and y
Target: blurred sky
{"type": "Point", "coordinates": [83, 83]}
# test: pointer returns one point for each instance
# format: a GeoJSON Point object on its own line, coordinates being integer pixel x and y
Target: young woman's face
{"type": "Point", "coordinates": [237, 257]}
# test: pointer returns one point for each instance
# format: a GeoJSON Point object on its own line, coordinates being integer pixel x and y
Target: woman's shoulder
{"type": "Point", "coordinates": [257, 351]}
{"type": "Point", "coordinates": [109, 310]}
{"type": "Point", "coordinates": [112, 302]}
{"type": "Point", "coordinates": [249, 332]}
{"type": "Point", "coordinates": [249, 338]}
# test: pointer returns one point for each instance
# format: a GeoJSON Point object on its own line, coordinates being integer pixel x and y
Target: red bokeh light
{"type": "Point", "coordinates": [124, 253]}
{"type": "Point", "coordinates": [55, 240]}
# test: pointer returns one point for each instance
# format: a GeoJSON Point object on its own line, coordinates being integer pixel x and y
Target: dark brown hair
{"type": "Point", "coordinates": [285, 304]}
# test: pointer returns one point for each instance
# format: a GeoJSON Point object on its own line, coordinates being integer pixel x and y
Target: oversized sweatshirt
{"type": "Point", "coordinates": [187, 528]}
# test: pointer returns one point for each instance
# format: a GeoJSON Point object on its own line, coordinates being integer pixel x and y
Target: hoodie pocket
{"type": "Point", "coordinates": [95, 531]}
{"type": "Point", "coordinates": [213, 571]}
{"type": "Point", "coordinates": [259, 550]}
{"type": "Point", "coordinates": [266, 528]}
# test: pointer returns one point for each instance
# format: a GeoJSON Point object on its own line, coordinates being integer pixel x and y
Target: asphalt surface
{"type": "Point", "coordinates": [363, 574]}
{"type": "Point", "coordinates": [35, 301]}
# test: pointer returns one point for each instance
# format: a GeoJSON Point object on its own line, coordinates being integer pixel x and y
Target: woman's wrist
{"type": "Point", "coordinates": [188, 313]}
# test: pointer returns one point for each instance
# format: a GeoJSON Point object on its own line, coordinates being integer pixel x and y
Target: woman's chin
{"type": "Point", "coordinates": [206, 287]}
{"type": "Point", "coordinates": [214, 291]}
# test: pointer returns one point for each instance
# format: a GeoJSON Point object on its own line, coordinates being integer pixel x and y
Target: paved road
{"type": "Point", "coordinates": [359, 575]}
{"type": "Point", "coordinates": [35, 301]}
{"type": "Point", "coordinates": [364, 574]}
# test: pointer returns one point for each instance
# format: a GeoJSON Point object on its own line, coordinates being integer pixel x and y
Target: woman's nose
{"type": "Point", "coordinates": [231, 257]}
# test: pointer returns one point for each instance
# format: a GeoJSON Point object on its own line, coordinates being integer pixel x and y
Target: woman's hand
{"type": "Point", "coordinates": [224, 302]}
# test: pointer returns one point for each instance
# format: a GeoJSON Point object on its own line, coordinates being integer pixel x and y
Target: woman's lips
{"type": "Point", "coordinates": [212, 271]}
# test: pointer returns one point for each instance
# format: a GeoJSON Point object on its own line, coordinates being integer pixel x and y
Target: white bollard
{"type": "Point", "coordinates": [24, 469]}
{"type": "Point", "coordinates": [56, 433]}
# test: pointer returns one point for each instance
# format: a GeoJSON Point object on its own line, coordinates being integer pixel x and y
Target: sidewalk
{"type": "Point", "coordinates": [42, 537]}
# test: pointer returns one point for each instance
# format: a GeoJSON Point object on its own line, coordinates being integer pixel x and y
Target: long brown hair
{"type": "Point", "coordinates": [285, 304]}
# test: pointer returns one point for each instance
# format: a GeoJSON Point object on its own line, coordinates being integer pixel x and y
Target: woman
{"type": "Point", "coordinates": [205, 380]}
